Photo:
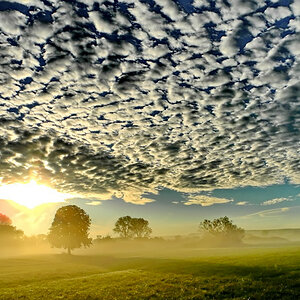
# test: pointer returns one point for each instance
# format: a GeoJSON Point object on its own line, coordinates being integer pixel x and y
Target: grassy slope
{"type": "Point", "coordinates": [182, 274]}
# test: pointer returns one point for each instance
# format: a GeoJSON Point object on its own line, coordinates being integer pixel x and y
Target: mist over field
{"type": "Point", "coordinates": [220, 261]}
{"type": "Point", "coordinates": [177, 268]}
{"type": "Point", "coordinates": [157, 246]}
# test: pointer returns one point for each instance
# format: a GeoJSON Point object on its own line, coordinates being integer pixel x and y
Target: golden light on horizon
{"type": "Point", "coordinates": [32, 194]}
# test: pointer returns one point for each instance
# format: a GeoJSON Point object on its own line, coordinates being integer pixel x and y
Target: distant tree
{"type": "Point", "coordinates": [9, 233]}
{"type": "Point", "coordinates": [101, 238]}
{"type": "Point", "coordinates": [5, 220]}
{"type": "Point", "coordinates": [140, 227]}
{"type": "Point", "coordinates": [70, 228]}
{"type": "Point", "coordinates": [128, 227]}
{"type": "Point", "coordinates": [38, 239]}
{"type": "Point", "coordinates": [123, 227]}
{"type": "Point", "coordinates": [222, 228]}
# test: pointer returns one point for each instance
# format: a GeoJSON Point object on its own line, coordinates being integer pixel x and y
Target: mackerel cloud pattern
{"type": "Point", "coordinates": [126, 97]}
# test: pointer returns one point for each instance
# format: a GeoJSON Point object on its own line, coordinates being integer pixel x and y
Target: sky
{"type": "Point", "coordinates": [174, 111]}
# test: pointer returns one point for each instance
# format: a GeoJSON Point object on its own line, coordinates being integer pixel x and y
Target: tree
{"type": "Point", "coordinates": [222, 228]}
{"type": "Point", "coordinates": [123, 227]}
{"type": "Point", "coordinates": [70, 228]}
{"type": "Point", "coordinates": [140, 227]}
{"type": "Point", "coordinates": [128, 227]}
{"type": "Point", "coordinates": [5, 220]}
{"type": "Point", "coordinates": [9, 233]}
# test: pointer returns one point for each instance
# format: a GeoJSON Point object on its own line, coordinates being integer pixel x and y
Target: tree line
{"type": "Point", "coordinates": [8, 232]}
{"type": "Point", "coordinates": [71, 225]}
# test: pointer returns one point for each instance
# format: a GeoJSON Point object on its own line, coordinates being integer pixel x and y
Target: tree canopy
{"type": "Point", "coordinates": [5, 220]}
{"type": "Point", "coordinates": [70, 228]}
{"type": "Point", "coordinates": [140, 227]}
{"type": "Point", "coordinates": [128, 227]}
{"type": "Point", "coordinates": [123, 227]}
{"type": "Point", "coordinates": [8, 232]}
{"type": "Point", "coordinates": [222, 228]}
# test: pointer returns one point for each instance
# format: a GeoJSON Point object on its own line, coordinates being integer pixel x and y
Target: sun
{"type": "Point", "coordinates": [31, 194]}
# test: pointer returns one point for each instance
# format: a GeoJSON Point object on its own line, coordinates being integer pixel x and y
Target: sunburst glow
{"type": "Point", "coordinates": [32, 194]}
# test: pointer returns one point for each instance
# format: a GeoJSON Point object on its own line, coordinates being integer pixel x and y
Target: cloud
{"type": "Point", "coordinates": [269, 212]}
{"type": "Point", "coordinates": [94, 203]}
{"type": "Point", "coordinates": [242, 203]}
{"type": "Point", "coordinates": [135, 196]}
{"type": "Point", "coordinates": [204, 200]}
{"type": "Point", "coordinates": [130, 97]}
{"type": "Point", "coordinates": [275, 201]}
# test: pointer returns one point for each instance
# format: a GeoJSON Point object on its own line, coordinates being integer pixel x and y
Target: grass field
{"type": "Point", "coordinates": [241, 273]}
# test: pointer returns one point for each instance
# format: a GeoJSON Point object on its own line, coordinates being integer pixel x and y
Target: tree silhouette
{"type": "Point", "coordinates": [140, 227]}
{"type": "Point", "coordinates": [5, 220]}
{"type": "Point", "coordinates": [128, 227]}
{"type": "Point", "coordinates": [9, 233]}
{"type": "Point", "coordinates": [70, 228]}
{"type": "Point", "coordinates": [222, 228]}
{"type": "Point", "coordinates": [123, 227]}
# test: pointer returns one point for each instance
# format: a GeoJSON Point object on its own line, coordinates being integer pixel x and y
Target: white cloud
{"type": "Point", "coordinates": [296, 8]}
{"type": "Point", "coordinates": [275, 14]}
{"type": "Point", "coordinates": [94, 203]}
{"type": "Point", "coordinates": [242, 203]}
{"type": "Point", "coordinates": [204, 200]}
{"type": "Point", "coordinates": [275, 201]}
{"type": "Point", "coordinates": [11, 22]}
{"type": "Point", "coordinates": [101, 24]}
{"type": "Point", "coordinates": [135, 196]}
{"type": "Point", "coordinates": [269, 212]}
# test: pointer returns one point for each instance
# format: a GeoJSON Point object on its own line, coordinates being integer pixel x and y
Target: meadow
{"type": "Point", "coordinates": [121, 272]}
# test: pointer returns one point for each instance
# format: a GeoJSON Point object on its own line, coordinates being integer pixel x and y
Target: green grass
{"type": "Point", "coordinates": [241, 273]}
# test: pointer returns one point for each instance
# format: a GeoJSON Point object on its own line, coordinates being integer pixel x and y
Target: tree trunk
{"type": "Point", "coordinates": [69, 251]}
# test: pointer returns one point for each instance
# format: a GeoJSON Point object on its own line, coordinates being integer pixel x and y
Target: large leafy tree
{"type": "Point", "coordinates": [128, 227]}
{"type": "Point", "coordinates": [70, 228]}
{"type": "Point", "coordinates": [222, 228]}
